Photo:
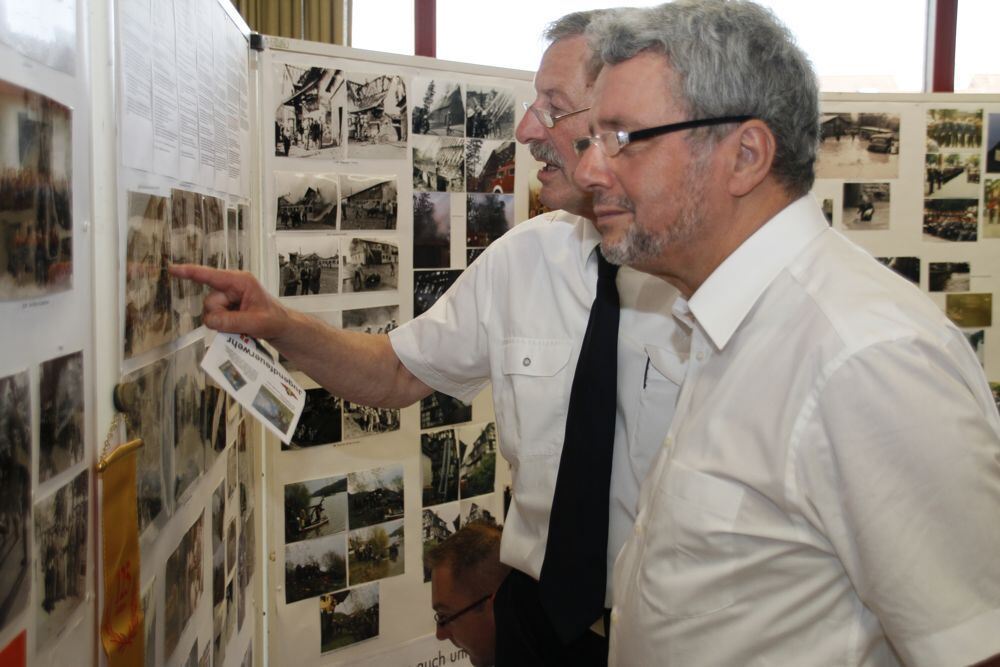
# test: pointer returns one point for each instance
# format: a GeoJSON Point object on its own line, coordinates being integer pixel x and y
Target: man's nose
{"type": "Point", "coordinates": [592, 169]}
{"type": "Point", "coordinates": [530, 128]}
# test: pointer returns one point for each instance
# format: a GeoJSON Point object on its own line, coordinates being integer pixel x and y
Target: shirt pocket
{"type": "Point", "coordinates": [538, 380]}
{"type": "Point", "coordinates": [689, 563]}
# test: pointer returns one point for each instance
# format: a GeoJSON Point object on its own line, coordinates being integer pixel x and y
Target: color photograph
{"type": "Point", "coordinates": [480, 508]}
{"type": "Point", "coordinates": [348, 617]}
{"type": "Point", "coordinates": [374, 496]}
{"type": "Point", "coordinates": [315, 508]}
{"type": "Point", "coordinates": [488, 217]}
{"type": "Point", "coordinates": [951, 220]}
{"type": "Point", "coordinates": [438, 524]}
{"type": "Point", "coordinates": [314, 567]}
{"type": "Point", "coordinates": [361, 421]}
{"type": "Point", "coordinates": [489, 166]}
{"type": "Point", "coordinates": [478, 448]}
{"type": "Point", "coordinates": [60, 434]}
{"type": "Point", "coordinates": [375, 552]}
{"type": "Point", "coordinates": [948, 276]}
{"type": "Point", "coordinates": [273, 409]}
{"type": "Point", "coordinates": [439, 409]}
{"type": "Point", "coordinates": [908, 267]}
{"type": "Point", "coordinates": [954, 128]}
{"type": "Point", "coordinates": [969, 310]}
{"type": "Point", "coordinates": [320, 423]}
{"type": "Point", "coordinates": [951, 175]}
{"type": "Point", "coordinates": [431, 230]}
{"type": "Point", "coordinates": [991, 202]}
{"type": "Point", "coordinates": [439, 467]}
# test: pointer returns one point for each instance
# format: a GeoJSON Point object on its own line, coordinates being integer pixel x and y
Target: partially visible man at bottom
{"type": "Point", "coordinates": [465, 574]}
{"type": "Point", "coordinates": [829, 489]}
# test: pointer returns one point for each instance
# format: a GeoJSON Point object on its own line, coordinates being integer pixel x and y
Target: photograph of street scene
{"type": "Point", "coordinates": [377, 124]}
{"type": "Point", "coordinates": [309, 119]}
{"type": "Point", "coordinates": [858, 145]}
{"type": "Point", "coordinates": [367, 202]}
{"type": "Point", "coordinates": [305, 201]}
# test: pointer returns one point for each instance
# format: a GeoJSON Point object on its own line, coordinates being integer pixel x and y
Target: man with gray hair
{"type": "Point", "coordinates": [829, 490]}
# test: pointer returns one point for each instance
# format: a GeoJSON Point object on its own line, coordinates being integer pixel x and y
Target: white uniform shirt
{"type": "Point", "coordinates": [517, 317]}
{"type": "Point", "coordinates": [829, 491]}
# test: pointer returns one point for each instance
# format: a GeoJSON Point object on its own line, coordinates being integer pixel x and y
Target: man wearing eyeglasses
{"type": "Point", "coordinates": [465, 574]}
{"type": "Point", "coordinates": [829, 489]}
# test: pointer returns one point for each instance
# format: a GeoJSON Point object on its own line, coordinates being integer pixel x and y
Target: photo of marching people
{"type": "Point", "coordinates": [361, 421]}
{"type": "Point", "coordinates": [36, 220]}
{"type": "Point", "coordinates": [866, 206]}
{"type": "Point", "coordinates": [489, 113]}
{"type": "Point", "coordinates": [348, 617]}
{"type": "Point", "coordinates": [442, 108]}
{"type": "Point", "coordinates": [439, 467]}
{"type": "Point", "coordinates": [367, 202]}
{"type": "Point", "coordinates": [150, 417]}
{"type": "Point", "coordinates": [60, 557]}
{"type": "Point", "coordinates": [993, 144]}
{"type": "Point", "coordinates": [948, 276]}
{"type": "Point", "coordinates": [951, 175]}
{"type": "Point", "coordinates": [488, 217]}
{"type": "Point", "coordinates": [184, 583]}
{"type": "Point", "coordinates": [315, 567]}
{"type": "Point", "coordinates": [954, 128]}
{"type": "Point", "coordinates": [374, 496]}
{"type": "Point", "coordinates": [431, 230]}
{"type": "Point", "coordinates": [438, 164]}
{"type": "Point", "coordinates": [377, 124]}
{"type": "Point", "coordinates": [369, 265]}
{"type": "Point", "coordinates": [375, 552]}
{"type": "Point", "coordinates": [308, 265]}
{"type": "Point", "coordinates": [15, 494]}
{"type": "Point", "coordinates": [991, 202]}
{"type": "Point", "coordinates": [858, 145]}
{"type": "Point", "coordinates": [478, 449]}
{"type": "Point", "coordinates": [148, 317]}
{"type": "Point", "coordinates": [489, 166]}
{"type": "Point", "coordinates": [908, 267]}
{"type": "Point", "coordinates": [377, 319]}
{"type": "Point", "coordinates": [439, 409]}
{"type": "Point", "coordinates": [428, 286]}
{"type": "Point", "coordinates": [305, 201]}
{"type": "Point", "coordinates": [309, 119]}
{"type": "Point", "coordinates": [951, 219]}
{"type": "Point", "coordinates": [60, 433]}
{"type": "Point", "coordinates": [187, 233]}
{"type": "Point", "coordinates": [320, 421]}
{"type": "Point", "coordinates": [315, 508]}
{"type": "Point", "coordinates": [439, 523]}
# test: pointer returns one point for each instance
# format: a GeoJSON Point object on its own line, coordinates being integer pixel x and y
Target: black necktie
{"type": "Point", "coordinates": [573, 576]}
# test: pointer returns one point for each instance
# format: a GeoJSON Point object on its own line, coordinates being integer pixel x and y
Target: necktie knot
{"type": "Point", "coordinates": [605, 269]}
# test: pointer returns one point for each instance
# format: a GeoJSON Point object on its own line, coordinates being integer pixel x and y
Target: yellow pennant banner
{"type": "Point", "coordinates": [121, 620]}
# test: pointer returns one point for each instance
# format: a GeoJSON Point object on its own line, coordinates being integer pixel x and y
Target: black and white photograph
{"type": "Point", "coordinates": [148, 316]}
{"type": "Point", "coordinates": [438, 524]}
{"type": "Point", "coordinates": [865, 207]}
{"type": "Point", "coordinates": [230, 546]}
{"type": "Point", "coordinates": [489, 166]}
{"type": "Point", "coordinates": [428, 286]}
{"type": "Point", "coordinates": [214, 253]}
{"type": "Point", "coordinates": [858, 145]}
{"type": "Point", "coordinates": [213, 421]}
{"type": "Point", "coordinates": [15, 494]}
{"type": "Point", "coordinates": [244, 466]}
{"type": "Point", "coordinates": [954, 128]}
{"type": "Point", "coordinates": [273, 409]}
{"type": "Point", "coordinates": [305, 201]}
{"type": "Point", "coordinates": [995, 388]}
{"type": "Point", "coordinates": [374, 496]}
{"type": "Point", "coordinates": [368, 202]}
{"type": "Point", "coordinates": [489, 112]}
{"type": "Point", "coordinates": [231, 471]}
{"type": "Point", "coordinates": [375, 552]}
{"type": "Point", "coordinates": [184, 583]}
{"type": "Point", "coordinates": [314, 567]}
{"type": "Point", "coordinates": [377, 124]}
{"type": "Point", "coordinates": [827, 206]}
{"type": "Point", "coordinates": [441, 111]}
{"type": "Point", "coordinates": [150, 417]}
{"type": "Point", "coordinates": [948, 276]}
{"type": "Point", "coordinates": [488, 217]}
{"type": "Point", "coordinates": [439, 409]}
{"type": "Point", "coordinates": [232, 239]}
{"type": "Point", "coordinates": [61, 557]}
{"type": "Point", "coordinates": [36, 213]}
{"type": "Point", "coordinates": [54, 45]}
{"type": "Point", "coordinates": [320, 423]}
{"type": "Point", "coordinates": [991, 204]}
{"type": "Point", "coordinates": [951, 175]}
{"type": "Point", "coordinates": [369, 265]}
{"type": "Point", "coordinates": [431, 230]}
{"type": "Point", "coordinates": [218, 514]}
{"type": "Point", "coordinates": [245, 567]}
{"type": "Point", "coordinates": [993, 144]}
{"type": "Point", "coordinates": [348, 617]}
{"type": "Point", "coordinates": [480, 508]}
{"type": "Point", "coordinates": [438, 164]}
{"type": "Point", "coordinates": [315, 508]}
{"type": "Point", "coordinates": [977, 339]}
{"type": "Point", "coordinates": [951, 220]}
{"type": "Point", "coordinates": [477, 446]}
{"type": "Point", "coordinates": [908, 267]}
{"type": "Point", "coordinates": [308, 264]}
{"type": "Point", "coordinates": [189, 393]}
{"type": "Point", "coordinates": [969, 309]}
{"type": "Point", "coordinates": [472, 254]}
{"type": "Point", "coordinates": [377, 319]}
{"type": "Point", "coordinates": [187, 230]}
{"type": "Point", "coordinates": [60, 434]}
{"type": "Point", "coordinates": [149, 625]}
{"type": "Point", "coordinates": [439, 467]}
{"type": "Point", "coordinates": [361, 421]}
{"type": "Point", "coordinates": [308, 122]}
{"type": "Point", "coordinates": [242, 237]}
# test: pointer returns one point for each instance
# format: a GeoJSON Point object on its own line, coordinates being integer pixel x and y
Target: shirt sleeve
{"type": "Point", "coordinates": [901, 461]}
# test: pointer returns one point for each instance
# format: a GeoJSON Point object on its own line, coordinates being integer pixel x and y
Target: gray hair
{"type": "Point", "coordinates": [731, 58]}
{"type": "Point", "coordinates": [473, 556]}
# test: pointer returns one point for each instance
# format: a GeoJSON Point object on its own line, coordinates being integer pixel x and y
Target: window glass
{"type": "Point", "coordinates": [383, 25]}
{"type": "Point", "coordinates": [977, 58]}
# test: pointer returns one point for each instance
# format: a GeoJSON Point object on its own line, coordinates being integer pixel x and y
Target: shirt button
{"type": "Point", "coordinates": [614, 615]}
{"type": "Point", "coordinates": [526, 361]}
{"type": "Point", "coordinates": [700, 356]}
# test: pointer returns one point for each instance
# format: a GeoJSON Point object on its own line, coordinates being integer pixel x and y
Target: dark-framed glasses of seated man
{"type": "Point", "coordinates": [613, 141]}
{"type": "Point", "coordinates": [546, 117]}
{"type": "Point", "coordinates": [444, 619]}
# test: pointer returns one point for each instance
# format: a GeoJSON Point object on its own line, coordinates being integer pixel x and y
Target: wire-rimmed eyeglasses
{"type": "Point", "coordinates": [613, 141]}
{"type": "Point", "coordinates": [546, 117]}
{"type": "Point", "coordinates": [443, 620]}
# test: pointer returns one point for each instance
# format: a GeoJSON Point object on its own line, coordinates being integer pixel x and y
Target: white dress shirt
{"type": "Point", "coordinates": [516, 317]}
{"type": "Point", "coordinates": [829, 490]}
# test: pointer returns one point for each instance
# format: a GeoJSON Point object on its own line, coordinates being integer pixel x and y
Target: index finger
{"type": "Point", "coordinates": [214, 278]}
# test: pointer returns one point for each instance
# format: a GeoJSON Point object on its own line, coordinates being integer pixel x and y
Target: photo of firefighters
{"type": "Point", "coordinates": [431, 230]}
{"type": "Point", "coordinates": [315, 508]}
{"type": "Point", "coordinates": [36, 220]}
{"type": "Point", "coordinates": [488, 217]}
{"type": "Point", "coordinates": [374, 496]}
{"type": "Point", "coordinates": [15, 494]}
{"type": "Point", "coordinates": [950, 175]}
{"type": "Point", "coordinates": [428, 286]}
{"type": "Point", "coordinates": [951, 219]}
{"type": "Point", "coordinates": [442, 108]}
{"type": "Point", "coordinates": [361, 421]}
{"type": "Point", "coordinates": [489, 112]}
{"type": "Point", "coordinates": [377, 319]}
{"type": "Point", "coordinates": [439, 467]}
{"type": "Point", "coordinates": [150, 418]}
{"type": "Point", "coordinates": [348, 617]}
{"type": "Point", "coordinates": [954, 128]}
{"type": "Point", "coordinates": [369, 265]}
{"type": "Point", "coordinates": [308, 121]}
{"type": "Point", "coordinates": [489, 166]}
{"type": "Point", "coordinates": [375, 552]}
{"type": "Point", "coordinates": [438, 164]}
{"type": "Point", "coordinates": [184, 582]}
{"type": "Point", "coordinates": [908, 267]}
{"type": "Point", "coordinates": [858, 145]}
{"type": "Point", "coordinates": [308, 264]}
{"type": "Point", "coordinates": [478, 450]}
{"type": "Point", "coordinates": [148, 316]}
{"type": "Point", "coordinates": [60, 433]}
{"type": "Point", "coordinates": [305, 201]}
{"type": "Point", "coordinates": [367, 202]}
{"type": "Point", "coordinates": [865, 206]}
{"type": "Point", "coordinates": [377, 124]}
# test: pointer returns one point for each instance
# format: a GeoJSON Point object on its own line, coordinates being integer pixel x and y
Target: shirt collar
{"type": "Point", "coordinates": [726, 297]}
{"type": "Point", "coordinates": [590, 238]}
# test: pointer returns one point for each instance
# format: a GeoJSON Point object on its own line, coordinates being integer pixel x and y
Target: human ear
{"type": "Point", "coordinates": [752, 150]}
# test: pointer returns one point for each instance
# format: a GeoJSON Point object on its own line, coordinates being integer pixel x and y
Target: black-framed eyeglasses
{"type": "Point", "coordinates": [546, 117]}
{"type": "Point", "coordinates": [613, 141]}
{"type": "Point", "coordinates": [443, 620]}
